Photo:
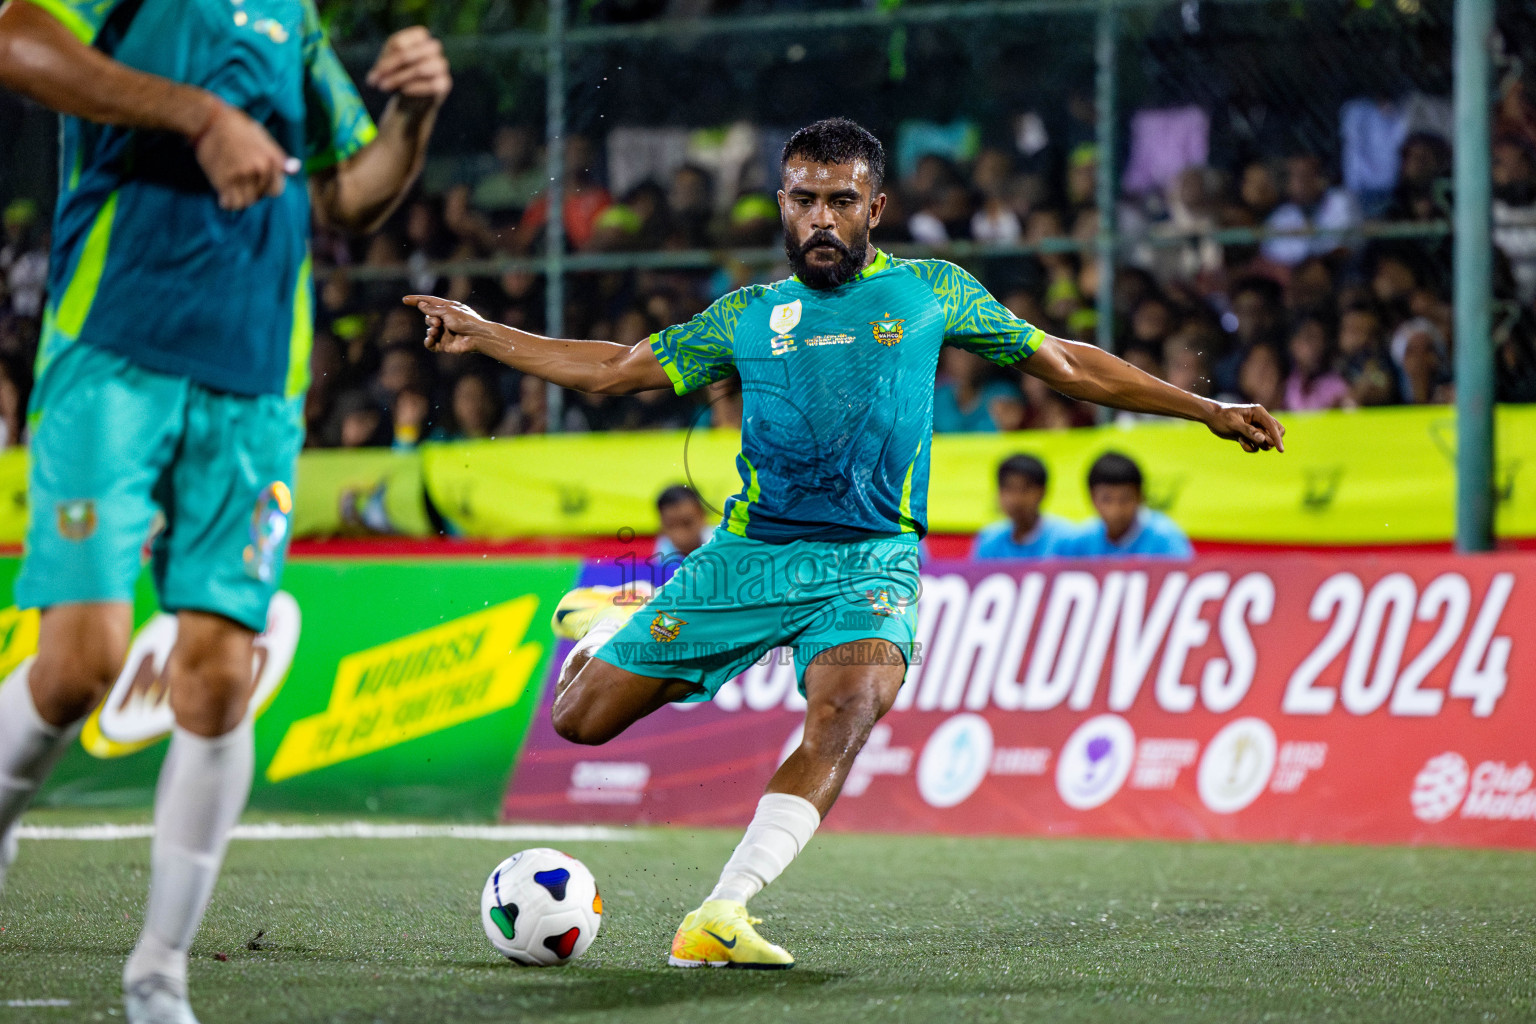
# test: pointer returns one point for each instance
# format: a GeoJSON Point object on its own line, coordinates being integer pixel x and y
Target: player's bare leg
{"type": "Point", "coordinates": [595, 701]}
{"type": "Point", "coordinates": [203, 787]}
{"type": "Point", "coordinates": [81, 648]}
{"type": "Point", "coordinates": [848, 688]}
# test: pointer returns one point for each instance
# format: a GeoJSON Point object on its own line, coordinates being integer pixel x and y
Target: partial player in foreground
{"type": "Point", "coordinates": [818, 551]}
{"type": "Point", "coordinates": [171, 378]}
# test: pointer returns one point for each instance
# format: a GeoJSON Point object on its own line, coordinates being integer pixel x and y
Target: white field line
{"type": "Point", "coordinates": [27, 1003]}
{"type": "Point", "coordinates": [353, 830]}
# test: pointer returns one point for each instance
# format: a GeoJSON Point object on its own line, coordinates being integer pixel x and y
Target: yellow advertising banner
{"type": "Point", "coordinates": [1367, 477]}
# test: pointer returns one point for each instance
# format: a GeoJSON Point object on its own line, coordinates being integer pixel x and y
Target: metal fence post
{"type": "Point", "coordinates": [554, 230]}
{"type": "Point", "coordinates": [1473, 249]}
{"type": "Point", "coordinates": [1105, 55]}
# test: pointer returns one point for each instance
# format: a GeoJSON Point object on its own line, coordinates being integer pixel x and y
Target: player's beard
{"type": "Point", "coordinates": [850, 259]}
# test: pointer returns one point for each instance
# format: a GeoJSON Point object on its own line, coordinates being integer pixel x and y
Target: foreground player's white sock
{"type": "Point", "coordinates": [593, 638]}
{"type": "Point", "coordinates": [29, 748]}
{"type": "Point", "coordinates": [782, 826]}
{"type": "Point", "coordinates": [203, 787]}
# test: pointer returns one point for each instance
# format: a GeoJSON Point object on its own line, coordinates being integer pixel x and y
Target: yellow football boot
{"type": "Point", "coordinates": [584, 607]}
{"type": "Point", "coordinates": [720, 934]}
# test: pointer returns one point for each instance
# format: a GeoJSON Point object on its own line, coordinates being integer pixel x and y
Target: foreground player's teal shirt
{"type": "Point", "coordinates": [145, 263]}
{"type": "Point", "coordinates": [837, 391]}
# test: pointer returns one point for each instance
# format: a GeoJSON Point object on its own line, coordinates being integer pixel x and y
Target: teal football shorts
{"type": "Point", "coordinates": [735, 599]}
{"type": "Point", "coordinates": [116, 447]}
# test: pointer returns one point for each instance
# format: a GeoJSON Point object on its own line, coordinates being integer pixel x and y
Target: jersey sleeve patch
{"type": "Point", "coordinates": [973, 319]}
{"type": "Point", "coordinates": [702, 351]}
{"type": "Point", "coordinates": [337, 124]}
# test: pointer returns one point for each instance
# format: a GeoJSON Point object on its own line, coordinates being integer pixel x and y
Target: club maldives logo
{"type": "Point", "coordinates": [1493, 791]}
{"type": "Point", "coordinates": [1236, 765]}
{"type": "Point", "coordinates": [887, 332]}
{"type": "Point", "coordinates": [1095, 761]}
{"type": "Point", "coordinates": [954, 760]}
{"type": "Point", "coordinates": [664, 627]}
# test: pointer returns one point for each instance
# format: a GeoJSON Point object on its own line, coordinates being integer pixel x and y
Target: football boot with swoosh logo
{"type": "Point", "coordinates": [720, 934]}
{"type": "Point", "coordinates": [584, 607]}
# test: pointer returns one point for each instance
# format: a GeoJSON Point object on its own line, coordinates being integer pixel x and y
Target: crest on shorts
{"type": "Point", "coordinates": [77, 519]}
{"type": "Point", "coordinates": [269, 531]}
{"type": "Point", "coordinates": [664, 627]}
{"type": "Point", "coordinates": [887, 332]}
{"type": "Point", "coordinates": [880, 602]}
{"type": "Point", "coordinates": [784, 318]}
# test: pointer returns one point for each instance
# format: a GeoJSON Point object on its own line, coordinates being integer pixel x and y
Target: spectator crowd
{"type": "Point", "coordinates": [1310, 309]}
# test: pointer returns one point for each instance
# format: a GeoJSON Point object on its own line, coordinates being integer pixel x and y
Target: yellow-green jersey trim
{"type": "Point", "coordinates": [303, 337]}
{"type": "Point", "coordinates": [65, 318]}
{"type": "Point", "coordinates": [741, 513]}
{"type": "Point", "coordinates": [906, 519]}
{"type": "Point", "coordinates": [70, 17]}
{"type": "Point", "coordinates": [667, 365]}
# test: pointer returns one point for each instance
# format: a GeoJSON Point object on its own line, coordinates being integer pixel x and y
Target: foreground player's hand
{"type": "Point", "coordinates": [1249, 425]}
{"type": "Point", "coordinates": [452, 327]}
{"type": "Point", "coordinates": [243, 162]}
{"type": "Point", "coordinates": [412, 66]}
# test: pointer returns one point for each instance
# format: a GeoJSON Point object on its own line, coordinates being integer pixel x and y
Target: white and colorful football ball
{"type": "Point", "coordinates": [541, 908]}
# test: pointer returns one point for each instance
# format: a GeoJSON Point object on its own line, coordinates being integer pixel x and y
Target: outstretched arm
{"type": "Point", "coordinates": [1090, 374]}
{"type": "Point", "coordinates": [42, 59]}
{"type": "Point", "coordinates": [360, 194]}
{"type": "Point", "coordinates": [597, 367]}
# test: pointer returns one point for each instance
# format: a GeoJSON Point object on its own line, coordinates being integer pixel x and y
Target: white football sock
{"type": "Point", "coordinates": [782, 826]}
{"type": "Point", "coordinates": [29, 748]}
{"type": "Point", "coordinates": [594, 638]}
{"type": "Point", "coordinates": [203, 787]}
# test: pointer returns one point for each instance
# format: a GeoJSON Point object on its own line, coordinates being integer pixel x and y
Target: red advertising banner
{"type": "Point", "coordinates": [1306, 698]}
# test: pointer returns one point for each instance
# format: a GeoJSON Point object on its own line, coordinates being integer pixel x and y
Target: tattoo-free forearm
{"type": "Point", "coordinates": [591, 366]}
{"type": "Point", "coordinates": [43, 60]}
{"type": "Point", "coordinates": [361, 193]}
{"type": "Point", "coordinates": [1090, 374]}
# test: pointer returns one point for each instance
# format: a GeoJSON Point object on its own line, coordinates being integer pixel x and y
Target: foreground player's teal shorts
{"type": "Point", "coordinates": [734, 600]}
{"type": "Point", "coordinates": [113, 444]}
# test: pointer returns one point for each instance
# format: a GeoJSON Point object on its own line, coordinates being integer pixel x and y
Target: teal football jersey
{"type": "Point", "coordinates": [144, 262]}
{"type": "Point", "coordinates": [837, 391]}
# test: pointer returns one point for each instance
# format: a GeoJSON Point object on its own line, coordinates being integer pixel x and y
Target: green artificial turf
{"type": "Point", "coordinates": [885, 928]}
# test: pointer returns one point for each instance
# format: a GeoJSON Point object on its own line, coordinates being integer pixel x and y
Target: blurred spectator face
{"type": "Point", "coordinates": [1152, 321]}
{"type": "Point", "coordinates": [1421, 364]}
{"type": "Point", "coordinates": [962, 368]}
{"type": "Point", "coordinates": [1359, 332]}
{"type": "Point", "coordinates": [1262, 377]}
{"type": "Point", "coordinates": [513, 146]}
{"type": "Point", "coordinates": [399, 371]}
{"type": "Point", "coordinates": [1255, 316]}
{"type": "Point", "coordinates": [1258, 189]}
{"type": "Point", "coordinates": [420, 224]}
{"type": "Point", "coordinates": [474, 407]}
{"type": "Point", "coordinates": [1309, 348]}
{"type": "Point", "coordinates": [631, 328]}
{"type": "Point", "coordinates": [401, 326]}
{"type": "Point", "coordinates": [682, 522]}
{"type": "Point", "coordinates": [1514, 176]}
{"type": "Point", "coordinates": [992, 172]}
{"type": "Point", "coordinates": [951, 204]}
{"type": "Point", "coordinates": [1311, 285]}
{"type": "Point", "coordinates": [360, 426]}
{"type": "Point", "coordinates": [1394, 281]}
{"type": "Point", "coordinates": [931, 172]}
{"type": "Point", "coordinates": [336, 293]}
{"type": "Point", "coordinates": [533, 405]}
{"type": "Point", "coordinates": [1144, 358]}
{"type": "Point", "coordinates": [725, 404]}
{"type": "Point", "coordinates": [690, 192]}
{"type": "Point", "coordinates": [1117, 505]}
{"type": "Point", "coordinates": [1082, 178]}
{"type": "Point", "coordinates": [1189, 191]}
{"type": "Point", "coordinates": [1304, 181]}
{"type": "Point", "coordinates": [579, 157]}
{"type": "Point", "coordinates": [1187, 369]}
{"type": "Point", "coordinates": [383, 250]}
{"type": "Point", "coordinates": [1019, 497]}
{"type": "Point", "coordinates": [518, 284]}
{"type": "Point", "coordinates": [1025, 305]}
{"type": "Point", "coordinates": [1422, 160]}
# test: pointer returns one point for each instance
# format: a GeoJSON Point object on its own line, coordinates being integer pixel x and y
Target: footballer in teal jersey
{"type": "Point", "coordinates": [818, 550]}
{"type": "Point", "coordinates": [198, 137]}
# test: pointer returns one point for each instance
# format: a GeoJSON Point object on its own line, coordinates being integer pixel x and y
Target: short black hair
{"type": "Point", "coordinates": [676, 495]}
{"type": "Point", "coordinates": [1113, 468]}
{"type": "Point", "coordinates": [1266, 288]}
{"type": "Point", "coordinates": [1026, 466]}
{"type": "Point", "coordinates": [837, 140]}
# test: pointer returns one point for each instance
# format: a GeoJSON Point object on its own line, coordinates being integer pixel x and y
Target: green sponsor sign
{"type": "Point", "coordinates": [410, 690]}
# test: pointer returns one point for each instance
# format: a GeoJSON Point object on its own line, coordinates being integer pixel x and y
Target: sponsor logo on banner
{"type": "Point", "coordinates": [784, 318]}
{"type": "Point", "coordinates": [1236, 765]}
{"type": "Point", "coordinates": [955, 760]}
{"type": "Point", "coordinates": [137, 710]}
{"type": "Point", "coordinates": [423, 683]}
{"type": "Point", "coordinates": [1493, 791]}
{"type": "Point", "coordinates": [1159, 761]}
{"type": "Point", "coordinates": [608, 782]}
{"type": "Point", "coordinates": [1095, 761]}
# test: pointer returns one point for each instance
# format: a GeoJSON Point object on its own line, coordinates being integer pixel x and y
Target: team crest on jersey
{"type": "Point", "coordinates": [77, 519]}
{"type": "Point", "coordinates": [784, 318]}
{"type": "Point", "coordinates": [881, 604]}
{"type": "Point", "coordinates": [664, 627]}
{"type": "Point", "coordinates": [887, 332]}
{"type": "Point", "coordinates": [269, 529]}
